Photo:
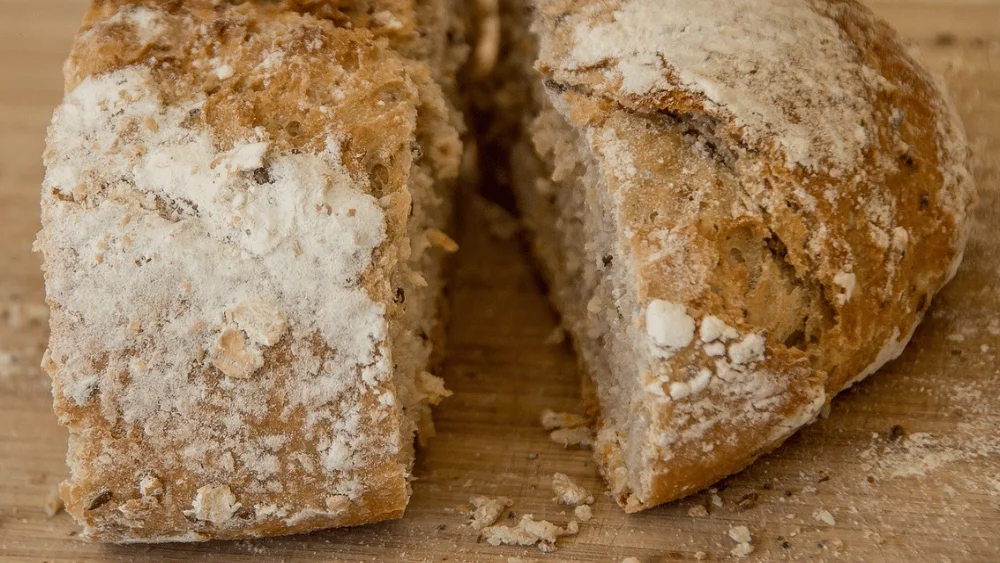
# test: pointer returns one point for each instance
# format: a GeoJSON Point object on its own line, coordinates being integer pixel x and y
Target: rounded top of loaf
{"type": "Point", "coordinates": [279, 68]}
{"type": "Point", "coordinates": [784, 75]}
{"type": "Point", "coordinates": [837, 144]}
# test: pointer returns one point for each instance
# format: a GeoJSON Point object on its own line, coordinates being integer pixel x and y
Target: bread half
{"type": "Point", "coordinates": [742, 208]}
{"type": "Point", "coordinates": [243, 216]}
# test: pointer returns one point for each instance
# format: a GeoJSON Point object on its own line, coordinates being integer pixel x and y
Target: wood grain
{"type": "Point", "coordinates": [931, 493]}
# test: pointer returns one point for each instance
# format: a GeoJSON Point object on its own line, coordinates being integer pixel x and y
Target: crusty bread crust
{"type": "Point", "coordinates": [783, 189]}
{"type": "Point", "coordinates": [226, 232]}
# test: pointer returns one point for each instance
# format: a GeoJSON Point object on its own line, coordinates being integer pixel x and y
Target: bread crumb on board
{"type": "Point", "coordinates": [581, 437]}
{"type": "Point", "coordinates": [53, 503]}
{"type": "Point", "coordinates": [487, 510]}
{"type": "Point", "coordinates": [567, 429]}
{"type": "Point", "coordinates": [432, 388]}
{"type": "Point", "coordinates": [552, 420]}
{"type": "Point", "coordinates": [568, 492]}
{"type": "Point", "coordinates": [529, 531]}
{"type": "Point", "coordinates": [741, 535]}
{"type": "Point", "coordinates": [631, 560]}
{"type": "Point", "coordinates": [716, 500]}
{"type": "Point", "coordinates": [823, 515]}
{"type": "Point", "coordinates": [698, 511]}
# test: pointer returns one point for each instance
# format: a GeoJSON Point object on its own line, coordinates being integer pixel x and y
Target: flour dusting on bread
{"type": "Point", "coordinates": [230, 207]}
{"type": "Point", "coordinates": [741, 208]}
{"type": "Point", "coordinates": [782, 72]}
{"type": "Point", "coordinates": [244, 259]}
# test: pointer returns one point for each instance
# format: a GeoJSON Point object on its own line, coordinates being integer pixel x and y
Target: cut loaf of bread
{"type": "Point", "coordinates": [243, 218]}
{"type": "Point", "coordinates": [742, 208]}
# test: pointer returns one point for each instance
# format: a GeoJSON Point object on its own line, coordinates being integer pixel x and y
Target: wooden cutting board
{"type": "Point", "coordinates": [905, 469]}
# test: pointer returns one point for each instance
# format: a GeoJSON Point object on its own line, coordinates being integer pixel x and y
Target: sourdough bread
{"type": "Point", "coordinates": [741, 208]}
{"type": "Point", "coordinates": [239, 220]}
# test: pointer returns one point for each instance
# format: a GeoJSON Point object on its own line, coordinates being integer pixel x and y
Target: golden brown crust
{"type": "Point", "coordinates": [286, 420]}
{"type": "Point", "coordinates": [909, 160]}
{"type": "Point", "coordinates": [830, 253]}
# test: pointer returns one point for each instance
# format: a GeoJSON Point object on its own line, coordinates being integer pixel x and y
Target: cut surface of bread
{"type": "Point", "coordinates": [741, 209]}
{"type": "Point", "coordinates": [243, 232]}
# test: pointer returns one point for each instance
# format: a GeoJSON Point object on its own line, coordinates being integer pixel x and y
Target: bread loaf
{"type": "Point", "coordinates": [741, 208]}
{"type": "Point", "coordinates": [243, 232]}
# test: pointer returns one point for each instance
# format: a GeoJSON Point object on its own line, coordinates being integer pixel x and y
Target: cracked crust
{"type": "Point", "coordinates": [731, 282]}
{"type": "Point", "coordinates": [237, 195]}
